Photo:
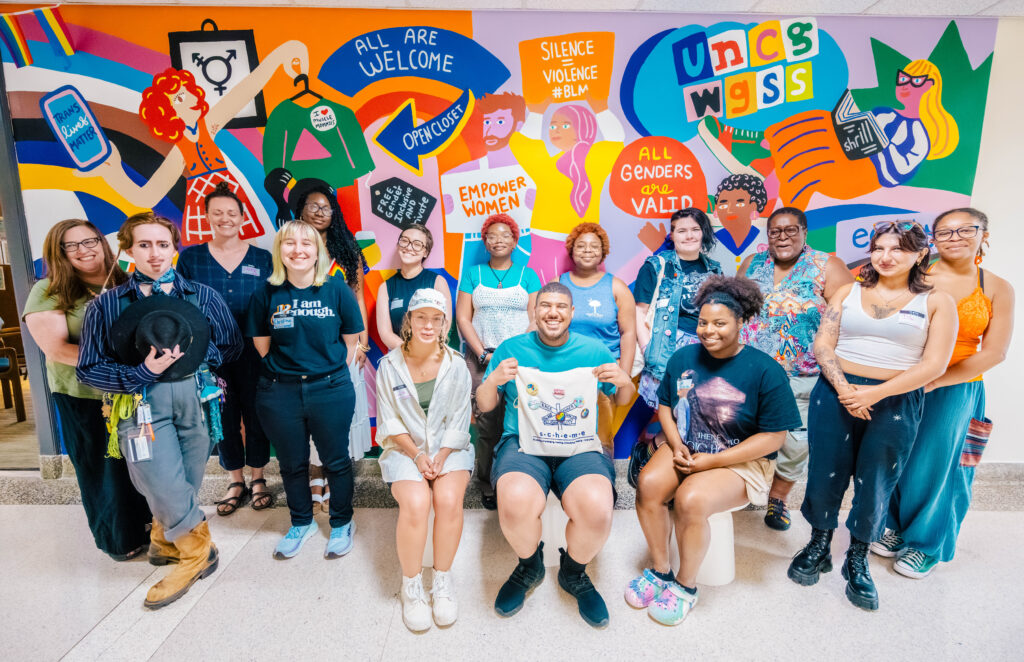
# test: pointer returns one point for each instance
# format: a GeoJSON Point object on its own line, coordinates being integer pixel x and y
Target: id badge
{"type": "Point", "coordinates": [684, 383]}
{"type": "Point", "coordinates": [912, 318]}
{"type": "Point", "coordinates": [250, 270]}
{"type": "Point", "coordinates": [401, 392]}
{"type": "Point", "coordinates": [143, 414]}
{"type": "Point", "coordinates": [139, 449]}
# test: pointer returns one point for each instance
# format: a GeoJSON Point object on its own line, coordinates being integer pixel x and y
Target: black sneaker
{"type": "Point", "coordinates": [523, 579]}
{"type": "Point", "coordinates": [777, 516]}
{"type": "Point", "coordinates": [578, 585]}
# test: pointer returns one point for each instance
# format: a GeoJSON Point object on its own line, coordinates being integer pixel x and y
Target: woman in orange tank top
{"type": "Point", "coordinates": [934, 492]}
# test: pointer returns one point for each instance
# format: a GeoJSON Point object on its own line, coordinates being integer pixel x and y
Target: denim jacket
{"type": "Point", "coordinates": [666, 320]}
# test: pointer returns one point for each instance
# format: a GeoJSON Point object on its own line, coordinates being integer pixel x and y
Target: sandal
{"type": "Point", "coordinates": [232, 503]}
{"type": "Point", "coordinates": [314, 485]}
{"type": "Point", "coordinates": [263, 499]}
{"type": "Point", "coordinates": [325, 505]}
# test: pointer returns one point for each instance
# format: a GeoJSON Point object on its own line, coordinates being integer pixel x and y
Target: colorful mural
{"type": "Point", "coordinates": [447, 117]}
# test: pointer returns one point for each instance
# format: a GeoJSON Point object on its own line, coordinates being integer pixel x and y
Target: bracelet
{"type": "Point", "coordinates": [418, 456]}
{"type": "Point", "coordinates": [363, 348]}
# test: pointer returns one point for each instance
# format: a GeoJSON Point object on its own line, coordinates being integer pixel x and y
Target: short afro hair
{"type": "Point", "coordinates": [752, 185]}
{"type": "Point", "coordinates": [584, 228]}
{"type": "Point", "coordinates": [740, 295]}
{"type": "Point", "coordinates": [506, 220]}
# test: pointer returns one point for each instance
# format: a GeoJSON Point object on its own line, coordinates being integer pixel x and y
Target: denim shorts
{"type": "Point", "coordinates": [551, 473]}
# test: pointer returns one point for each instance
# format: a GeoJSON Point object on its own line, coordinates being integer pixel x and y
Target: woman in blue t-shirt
{"type": "Point", "coordinates": [668, 281]}
{"type": "Point", "coordinates": [495, 302]}
{"type": "Point", "coordinates": [604, 305]}
{"type": "Point", "coordinates": [414, 246]}
{"type": "Point", "coordinates": [305, 326]}
{"type": "Point", "coordinates": [725, 409]}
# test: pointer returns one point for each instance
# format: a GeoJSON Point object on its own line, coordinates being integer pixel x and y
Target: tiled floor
{"type": "Point", "coordinates": [61, 598]}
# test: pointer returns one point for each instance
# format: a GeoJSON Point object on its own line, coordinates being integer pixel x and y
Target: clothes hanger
{"type": "Point", "coordinates": [304, 79]}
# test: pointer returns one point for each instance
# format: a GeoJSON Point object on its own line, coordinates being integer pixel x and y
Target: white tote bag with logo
{"type": "Point", "coordinates": [557, 412]}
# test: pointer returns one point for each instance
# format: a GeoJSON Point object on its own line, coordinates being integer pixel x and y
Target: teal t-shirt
{"type": "Point", "coordinates": [578, 352]}
{"type": "Point", "coordinates": [482, 274]}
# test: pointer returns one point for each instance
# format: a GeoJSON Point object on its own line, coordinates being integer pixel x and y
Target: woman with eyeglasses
{"type": "Point", "coordinates": [495, 302]}
{"type": "Point", "coordinates": [797, 282]}
{"type": "Point", "coordinates": [316, 203]}
{"type": "Point", "coordinates": [79, 265]}
{"type": "Point", "coordinates": [934, 492]}
{"type": "Point", "coordinates": [605, 309]}
{"type": "Point", "coordinates": [881, 340]}
{"type": "Point", "coordinates": [414, 246]}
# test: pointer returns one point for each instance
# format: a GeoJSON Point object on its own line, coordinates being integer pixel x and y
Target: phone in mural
{"type": "Point", "coordinates": [74, 124]}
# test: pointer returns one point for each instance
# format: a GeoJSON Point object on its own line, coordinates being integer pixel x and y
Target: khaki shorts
{"type": "Point", "coordinates": [757, 474]}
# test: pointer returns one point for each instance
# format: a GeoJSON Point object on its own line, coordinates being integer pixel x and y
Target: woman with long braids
{"type": "Point", "coordinates": [934, 492]}
{"type": "Point", "coordinates": [79, 265]}
{"type": "Point", "coordinates": [316, 203]}
{"type": "Point", "coordinates": [880, 341]}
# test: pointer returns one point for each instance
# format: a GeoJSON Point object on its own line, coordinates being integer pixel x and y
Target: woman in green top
{"type": "Point", "coordinates": [79, 265]}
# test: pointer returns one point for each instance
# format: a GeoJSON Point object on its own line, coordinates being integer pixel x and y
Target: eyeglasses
{"type": "Point", "coordinates": [901, 226]}
{"type": "Point", "coordinates": [789, 230]}
{"type": "Point", "coordinates": [318, 210]}
{"type": "Point", "coordinates": [903, 78]}
{"type": "Point", "coordinates": [966, 232]}
{"type": "Point", "coordinates": [587, 248]}
{"type": "Point", "coordinates": [405, 242]}
{"type": "Point", "coordinates": [497, 236]}
{"type": "Point", "coordinates": [73, 246]}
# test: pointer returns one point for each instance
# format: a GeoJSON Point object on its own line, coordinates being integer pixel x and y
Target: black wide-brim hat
{"type": "Point", "coordinates": [304, 186]}
{"type": "Point", "coordinates": [162, 321]}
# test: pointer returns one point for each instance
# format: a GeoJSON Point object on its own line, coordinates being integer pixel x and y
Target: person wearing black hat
{"type": "Point", "coordinates": [147, 344]}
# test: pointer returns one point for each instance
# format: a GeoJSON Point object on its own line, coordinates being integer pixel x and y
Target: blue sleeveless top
{"type": "Point", "coordinates": [597, 314]}
{"type": "Point", "coordinates": [400, 290]}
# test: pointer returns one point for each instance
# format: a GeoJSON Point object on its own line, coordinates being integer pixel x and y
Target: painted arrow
{"type": "Point", "coordinates": [421, 52]}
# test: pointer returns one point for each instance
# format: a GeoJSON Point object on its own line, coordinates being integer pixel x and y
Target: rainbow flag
{"type": "Point", "coordinates": [14, 39]}
{"type": "Point", "coordinates": [335, 270]}
{"type": "Point", "coordinates": [55, 29]}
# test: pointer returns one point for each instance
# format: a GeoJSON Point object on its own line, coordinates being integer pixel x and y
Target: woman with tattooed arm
{"type": "Point", "coordinates": [881, 340]}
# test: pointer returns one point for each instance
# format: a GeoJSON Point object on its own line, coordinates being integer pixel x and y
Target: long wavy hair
{"type": "Point", "coordinates": [943, 132]}
{"type": "Point", "coordinates": [573, 162]}
{"type": "Point", "coordinates": [341, 244]}
{"type": "Point", "coordinates": [156, 109]}
{"type": "Point", "coordinates": [65, 284]}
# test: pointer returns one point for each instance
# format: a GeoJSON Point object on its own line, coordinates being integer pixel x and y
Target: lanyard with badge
{"type": "Point", "coordinates": [140, 447]}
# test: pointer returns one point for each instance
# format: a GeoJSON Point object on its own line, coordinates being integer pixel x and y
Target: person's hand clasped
{"type": "Point", "coordinates": [859, 400]}
{"type": "Point", "coordinates": [437, 464]}
{"type": "Point", "coordinates": [505, 372]}
{"type": "Point", "coordinates": [425, 466]}
{"type": "Point", "coordinates": [158, 364]}
{"type": "Point", "coordinates": [681, 458]}
{"type": "Point", "coordinates": [697, 462]}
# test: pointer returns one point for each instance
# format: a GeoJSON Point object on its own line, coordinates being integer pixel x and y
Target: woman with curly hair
{"type": "Point", "coordinates": [605, 308]}
{"type": "Point", "coordinates": [725, 409]}
{"type": "Point", "coordinates": [423, 409]}
{"type": "Point", "coordinates": [175, 109]}
{"type": "Point", "coordinates": [79, 264]}
{"type": "Point", "coordinates": [880, 341]}
{"type": "Point", "coordinates": [495, 302]}
{"type": "Point", "coordinates": [316, 203]}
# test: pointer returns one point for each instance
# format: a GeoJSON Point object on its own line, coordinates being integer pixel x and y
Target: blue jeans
{"type": "Point", "coordinates": [170, 481]}
{"type": "Point", "coordinates": [292, 410]}
{"type": "Point", "coordinates": [873, 453]}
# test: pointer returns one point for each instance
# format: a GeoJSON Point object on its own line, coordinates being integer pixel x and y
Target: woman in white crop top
{"type": "Point", "coordinates": [880, 341]}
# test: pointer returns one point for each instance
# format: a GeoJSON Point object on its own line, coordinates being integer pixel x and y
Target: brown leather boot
{"type": "Point", "coordinates": [198, 560]}
{"type": "Point", "coordinates": [161, 550]}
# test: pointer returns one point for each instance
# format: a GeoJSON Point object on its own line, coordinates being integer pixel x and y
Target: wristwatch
{"type": "Point", "coordinates": [483, 357]}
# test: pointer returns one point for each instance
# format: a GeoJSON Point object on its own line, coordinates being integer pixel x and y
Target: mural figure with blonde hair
{"type": "Point", "coordinates": [175, 109]}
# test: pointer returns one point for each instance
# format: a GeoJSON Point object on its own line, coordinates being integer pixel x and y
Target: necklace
{"type": "Point", "coordinates": [889, 301]}
{"type": "Point", "coordinates": [495, 273]}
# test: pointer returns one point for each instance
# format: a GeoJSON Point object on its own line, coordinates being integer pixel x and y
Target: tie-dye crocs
{"type": "Point", "coordinates": [644, 590]}
{"type": "Point", "coordinates": [672, 606]}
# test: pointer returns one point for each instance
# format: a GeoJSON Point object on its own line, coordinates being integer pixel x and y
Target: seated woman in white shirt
{"type": "Point", "coordinates": [423, 407]}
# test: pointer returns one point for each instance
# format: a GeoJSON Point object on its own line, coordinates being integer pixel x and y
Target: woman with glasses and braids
{"type": "Point", "coordinates": [605, 309]}
{"type": "Point", "coordinates": [79, 265]}
{"type": "Point", "coordinates": [414, 246]}
{"type": "Point", "coordinates": [934, 492]}
{"type": "Point", "coordinates": [796, 281]}
{"type": "Point", "coordinates": [881, 340]}
{"type": "Point", "coordinates": [316, 203]}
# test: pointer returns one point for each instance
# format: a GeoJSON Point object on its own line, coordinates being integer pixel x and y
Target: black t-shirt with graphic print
{"type": "Point", "coordinates": [727, 400]}
{"type": "Point", "coordinates": [305, 326]}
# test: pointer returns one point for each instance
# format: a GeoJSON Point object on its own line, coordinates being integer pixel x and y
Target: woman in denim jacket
{"type": "Point", "coordinates": [681, 268]}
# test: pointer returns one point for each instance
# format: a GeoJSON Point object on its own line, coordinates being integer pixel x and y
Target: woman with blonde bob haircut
{"type": "Point", "coordinates": [305, 326]}
{"type": "Point", "coordinates": [423, 406]}
{"type": "Point", "coordinates": [79, 264]}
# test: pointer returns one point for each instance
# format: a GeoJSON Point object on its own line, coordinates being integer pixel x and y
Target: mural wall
{"type": "Point", "coordinates": [447, 117]}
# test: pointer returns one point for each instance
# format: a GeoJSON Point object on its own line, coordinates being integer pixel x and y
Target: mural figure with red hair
{"type": "Point", "coordinates": [175, 109]}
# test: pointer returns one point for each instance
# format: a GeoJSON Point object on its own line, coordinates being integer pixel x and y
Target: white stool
{"type": "Point", "coordinates": [552, 529]}
{"type": "Point", "coordinates": [719, 565]}
{"type": "Point", "coordinates": [428, 549]}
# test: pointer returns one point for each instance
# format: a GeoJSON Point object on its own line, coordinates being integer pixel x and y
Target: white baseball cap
{"type": "Point", "coordinates": [428, 297]}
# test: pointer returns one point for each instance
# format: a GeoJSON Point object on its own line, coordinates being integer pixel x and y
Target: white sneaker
{"type": "Point", "coordinates": [446, 609]}
{"type": "Point", "coordinates": [415, 610]}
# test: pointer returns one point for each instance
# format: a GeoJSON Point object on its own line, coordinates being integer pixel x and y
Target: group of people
{"type": "Point", "coordinates": [789, 369]}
